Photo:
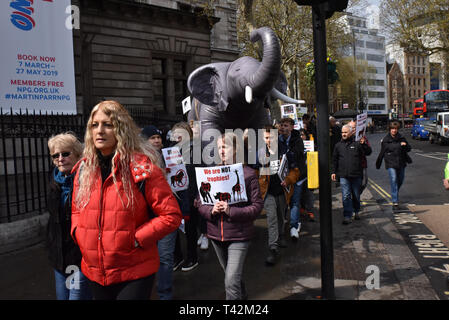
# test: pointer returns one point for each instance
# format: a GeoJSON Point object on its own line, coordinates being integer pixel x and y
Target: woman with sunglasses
{"type": "Point", "coordinates": [64, 255]}
{"type": "Point", "coordinates": [122, 205]}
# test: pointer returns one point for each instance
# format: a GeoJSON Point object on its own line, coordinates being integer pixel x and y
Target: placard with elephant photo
{"type": "Point", "coordinates": [221, 183]}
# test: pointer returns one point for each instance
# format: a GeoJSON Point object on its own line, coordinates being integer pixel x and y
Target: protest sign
{"type": "Point", "coordinates": [221, 183]}
{"type": "Point", "coordinates": [176, 172]}
{"type": "Point", "coordinates": [283, 170]}
{"type": "Point", "coordinates": [186, 105]}
{"type": "Point", "coordinates": [289, 110]}
{"type": "Point", "coordinates": [361, 126]}
{"type": "Point", "coordinates": [309, 145]}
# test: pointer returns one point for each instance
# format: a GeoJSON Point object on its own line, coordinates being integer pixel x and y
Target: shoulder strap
{"type": "Point", "coordinates": [141, 186]}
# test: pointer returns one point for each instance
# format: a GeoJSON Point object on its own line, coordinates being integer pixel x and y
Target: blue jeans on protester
{"type": "Point", "coordinates": [295, 204]}
{"type": "Point", "coordinates": [396, 180]}
{"type": "Point", "coordinates": [77, 289]}
{"type": "Point", "coordinates": [231, 256]}
{"type": "Point", "coordinates": [166, 248]}
{"type": "Point", "coordinates": [350, 187]}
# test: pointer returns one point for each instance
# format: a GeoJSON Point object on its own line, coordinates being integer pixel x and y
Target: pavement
{"type": "Point", "coordinates": [372, 261]}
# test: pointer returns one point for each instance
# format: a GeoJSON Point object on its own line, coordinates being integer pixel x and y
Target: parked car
{"type": "Point", "coordinates": [418, 131]}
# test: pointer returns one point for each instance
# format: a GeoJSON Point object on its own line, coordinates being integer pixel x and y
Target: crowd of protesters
{"type": "Point", "coordinates": [117, 221]}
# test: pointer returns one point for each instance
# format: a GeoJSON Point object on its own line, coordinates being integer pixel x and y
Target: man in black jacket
{"type": "Point", "coordinates": [291, 143]}
{"type": "Point", "coordinates": [347, 165]}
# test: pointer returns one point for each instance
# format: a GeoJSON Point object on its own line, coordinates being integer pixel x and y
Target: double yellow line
{"type": "Point", "coordinates": [384, 194]}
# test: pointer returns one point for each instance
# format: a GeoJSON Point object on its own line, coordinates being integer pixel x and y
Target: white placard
{"type": "Point", "coordinates": [221, 183]}
{"type": "Point", "coordinates": [186, 105]}
{"type": "Point", "coordinates": [36, 58]}
{"type": "Point", "coordinates": [309, 145]}
{"type": "Point", "coordinates": [176, 172]}
{"type": "Point", "coordinates": [289, 110]}
{"type": "Point", "coordinates": [361, 126]}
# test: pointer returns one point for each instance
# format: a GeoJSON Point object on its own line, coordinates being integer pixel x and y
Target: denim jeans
{"type": "Point", "coordinates": [295, 204]}
{"type": "Point", "coordinates": [166, 248]}
{"type": "Point", "coordinates": [396, 180]}
{"type": "Point", "coordinates": [231, 255]}
{"type": "Point", "coordinates": [77, 289]}
{"type": "Point", "coordinates": [350, 187]}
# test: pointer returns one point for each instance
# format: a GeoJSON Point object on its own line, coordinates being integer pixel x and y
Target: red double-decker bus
{"type": "Point", "coordinates": [418, 109]}
{"type": "Point", "coordinates": [435, 101]}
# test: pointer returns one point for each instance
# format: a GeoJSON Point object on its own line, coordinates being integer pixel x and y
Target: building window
{"type": "Point", "coordinates": [180, 77]}
{"type": "Point", "coordinates": [376, 107]}
{"type": "Point", "coordinates": [419, 81]}
{"type": "Point", "coordinates": [169, 73]}
{"type": "Point", "coordinates": [158, 67]}
{"type": "Point", "coordinates": [419, 93]}
{"type": "Point", "coordinates": [374, 45]}
{"type": "Point", "coordinates": [376, 94]}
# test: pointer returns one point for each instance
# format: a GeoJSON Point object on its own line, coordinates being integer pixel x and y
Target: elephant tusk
{"type": "Point", "coordinates": [279, 95]}
{"type": "Point", "coordinates": [248, 94]}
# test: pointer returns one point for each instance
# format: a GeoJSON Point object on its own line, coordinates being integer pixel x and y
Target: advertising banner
{"type": "Point", "coordinates": [221, 183]}
{"type": "Point", "coordinates": [36, 59]}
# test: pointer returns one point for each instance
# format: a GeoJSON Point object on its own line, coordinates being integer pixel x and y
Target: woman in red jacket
{"type": "Point", "coordinates": [232, 226]}
{"type": "Point", "coordinates": [122, 205]}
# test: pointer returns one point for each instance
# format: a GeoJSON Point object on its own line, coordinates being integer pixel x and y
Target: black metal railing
{"type": "Point", "coordinates": [24, 159]}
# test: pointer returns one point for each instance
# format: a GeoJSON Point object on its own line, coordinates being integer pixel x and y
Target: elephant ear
{"type": "Point", "coordinates": [208, 85]}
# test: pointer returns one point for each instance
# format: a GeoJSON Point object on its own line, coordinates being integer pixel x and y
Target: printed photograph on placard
{"type": "Point", "coordinates": [176, 172]}
{"type": "Point", "coordinates": [221, 183]}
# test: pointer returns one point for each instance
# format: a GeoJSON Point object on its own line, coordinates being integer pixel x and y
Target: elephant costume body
{"type": "Point", "coordinates": [232, 95]}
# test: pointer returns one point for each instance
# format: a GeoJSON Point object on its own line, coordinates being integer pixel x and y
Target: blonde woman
{"type": "Point", "coordinates": [64, 256]}
{"type": "Point", "coordinates": [122, 205]}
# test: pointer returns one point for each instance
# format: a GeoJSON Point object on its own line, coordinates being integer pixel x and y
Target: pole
{"type": "Point", "coordinates": [322, 100]}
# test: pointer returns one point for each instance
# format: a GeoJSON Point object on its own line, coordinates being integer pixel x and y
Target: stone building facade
{"type": "Point", "coordinates": [140, 53]}
{"type": "Point", "coordinates": [395, 83]}
{"type": "Point", "coordinates": [415, 68]}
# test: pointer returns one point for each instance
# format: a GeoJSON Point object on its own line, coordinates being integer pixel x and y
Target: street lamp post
{"type": "Point", "coordinates": [322, 10]}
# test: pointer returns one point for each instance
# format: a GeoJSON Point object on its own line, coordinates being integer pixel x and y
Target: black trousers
{"type": "Point", "coordinates": [191, 238]}
{"type": "Point", "coordinates": [139, 289]}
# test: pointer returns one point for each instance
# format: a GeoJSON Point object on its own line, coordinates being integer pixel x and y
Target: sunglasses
{"type": "Point", "coordinates": [63, 154]}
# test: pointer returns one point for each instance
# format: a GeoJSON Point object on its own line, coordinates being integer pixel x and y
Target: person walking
{"type": "Point", "coordinates": [182, 136]}
{"type": "Point", "coordinates": [394, 148]}
{"type": "Point", "coordinates": [122, 205]}
{"type": "Point", "coordinates": [347, 166]}
{"type": "Point", "coordinates": [290, 142]}
{"type": "Point", "coordinates": [166, 245]}
{"type": "Point", "coordinates": [64, 255]}
{"type": "Point", "coordinates": [231, 226]}
{"type": "Point", "coordinates": [274, 192]}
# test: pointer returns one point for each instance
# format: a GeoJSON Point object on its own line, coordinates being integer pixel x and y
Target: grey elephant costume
{"type": "Point", "coordinates": [231, 95]}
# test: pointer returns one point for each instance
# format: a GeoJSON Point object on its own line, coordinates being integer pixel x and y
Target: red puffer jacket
{"type": "Point", "coordinates": [106, 230]}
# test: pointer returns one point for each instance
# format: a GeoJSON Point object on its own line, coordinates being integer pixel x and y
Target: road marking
{"type": "Point", "coordinates": [380, 191]}
{"type": "Point", "coordinates": [427, 156]}
{"type": "Point", "coordinates": [445, 270]}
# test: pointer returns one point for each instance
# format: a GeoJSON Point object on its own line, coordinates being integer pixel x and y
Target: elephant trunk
{"type": "Point", "coordinates": [263, 80]}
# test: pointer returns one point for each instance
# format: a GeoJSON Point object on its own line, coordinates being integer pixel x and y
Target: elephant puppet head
{"type": "Point", "coordinates": [243, 85]}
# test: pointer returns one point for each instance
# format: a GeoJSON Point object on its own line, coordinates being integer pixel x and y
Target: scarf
{"type": "Point", "coordinates": [65, 182]}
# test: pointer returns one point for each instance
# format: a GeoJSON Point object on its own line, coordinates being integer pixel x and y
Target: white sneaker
{"type": "Point", "coordinates": [200, 239]}
{"type": "Point", "coordinates": [204, 243]}
{"type": "Point", "coordinates": [294, 233]}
